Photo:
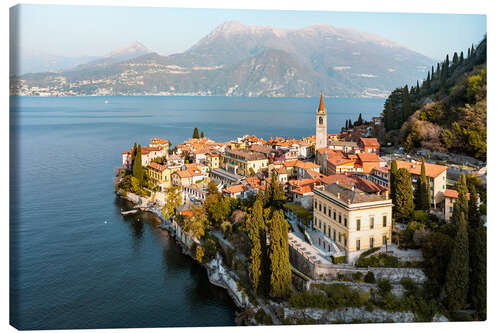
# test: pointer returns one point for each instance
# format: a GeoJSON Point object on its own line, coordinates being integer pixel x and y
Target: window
{"type": "Point", "coordinates": [315, 221]}
{"type": "Point", "coordinates": [334, 215]}
{"type": "Point", "coordinates": [324, 210]}
{"type": "Point", "coordinates": [358, 244]}
{"type": "Point", "coordinates": [320, 207]}
{"type": "Point", "coordinates": [340, 218]}
{"type": "Point", "coordinates": [384, 240]}
{"type": "Point", "coordinates": [321, 120]}
{"type": "Point", "coordinates": [371, 242]}
{"type": "Point", "coordinates": [345, 221]}
{"type": "Point", "coordinates": [320, 224]}
{"type": "Point", "coordinates": [329, 234]}
{"type": "Point", "coordinates": [372, 222]}
{"type": "Point", "coordinates": [315, 204]}
{"type": "Point", "coordinates": [329, 212]}
{"type": "Point", "coordinates": [334, 235]}
{"type": "Point", "coordinates": [358, 225]}
{"type": "Point", "coordinates": [340, 237]}
{"type": "Point", "coordinates": [384, 221]}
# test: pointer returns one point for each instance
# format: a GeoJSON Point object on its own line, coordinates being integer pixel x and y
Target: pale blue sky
{"type": "Point", "coordinates": [92, 30]}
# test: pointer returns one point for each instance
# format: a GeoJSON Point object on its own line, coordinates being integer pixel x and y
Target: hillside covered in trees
{"type": "Point", "coordinates": [447, 112]}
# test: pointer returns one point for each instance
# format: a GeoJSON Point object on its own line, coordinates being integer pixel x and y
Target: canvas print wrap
{"type": "Point", "coordinates": [215, 167]}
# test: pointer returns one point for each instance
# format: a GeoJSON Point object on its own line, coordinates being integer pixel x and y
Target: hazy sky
{"type": "Point", "coordinates": [95, 31]}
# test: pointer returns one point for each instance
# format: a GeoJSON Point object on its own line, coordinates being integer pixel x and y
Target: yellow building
{"type": "Point", "coordinates": [213, 160]}
{"type": "Point", "coordinates": [160, 174]}
{"type": "Point", "coordinates": [241, 161]}
{"type": "Point", "coordinates": [353, 219]}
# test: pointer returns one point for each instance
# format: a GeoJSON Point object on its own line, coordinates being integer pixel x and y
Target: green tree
{"type": "Point", "coordinates": [173, 199]}
{"type": "Point", "coordinates": [281, 274]}
{"type": "Point", "coordinates": [392, 178]}
{"type": "Point", "coordinates": [457, 274]}
{"type": "Point", "coordinates": [258, 242]}
{"type": "Point", "coordinates": [195, 133]}
{"type": "Point", "coordinates": [137, 170]}
{"type": "Point", "coordinates": [212, 188]}
{"type": "Point", "coordinates": [196, 224]}
{"type": "Point", "coordinates": [477, 290]}
{"type": "Point", "coordinates": [202, 134]}
{"type": "Point", "coordinates": [423, 194]}
{"type": "Point", "coordinates": [403, 195]}
{"type": "Point", "coordinates": [277, 193]}
{"type": "Point", "coordinates": [461, 206]}
{"type": "Point", "coordinates": [200, 253]}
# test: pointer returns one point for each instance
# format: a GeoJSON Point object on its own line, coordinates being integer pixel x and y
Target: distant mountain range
{"type": "Point", "coordinates": [239, 60]}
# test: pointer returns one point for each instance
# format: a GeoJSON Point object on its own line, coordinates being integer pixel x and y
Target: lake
{"type": "Point", "coordinates": [75, 261]}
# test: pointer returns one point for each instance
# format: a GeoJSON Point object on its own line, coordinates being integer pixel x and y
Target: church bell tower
{"type": "Point", "coordinates": [321, 127]}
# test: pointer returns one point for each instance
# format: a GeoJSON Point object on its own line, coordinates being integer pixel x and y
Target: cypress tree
{"type": "Point", "coordinates": [137, 170]}
{"type": "Point", "coordinates": [417, 89]}
{"type": "Point", "coordinates": [277, 193]}
{"type": "Point", "coordinates": [202, 134]}
{"type": "Point", "coordinates": [461, 205]}
{"type": "Point", "coordinates": [472, 50]}
{"type": "Point", "coordinates": [468, 53]}
{"type": "Point", "coordinates": [477, 290]}
{"type": "Point", "coordinates": [350, 124]}
{"type": "Point", "coordinates": [403, 194]}
{"type": "Point", "coordinates": [461, 61]}
{"type": "Point", "coordinates": [406, 104]}
{"type": "Point", "coordinates": [195, 133]}
{"type": "Point", "coordinates": [423, 195]}
{"type": "Point", "coordinates": [455, 59]}
{"type": "Point", "coordinates": [346, 124]}
{"type": "Point", "coordinates": [438, 71]}
{"type": "Point", "coordinates": [392, 178]}
{"type": "Point", "coordinates": [432, 73]}
{"type": "Point", "coordinates": [457, 273]}
{"type": "Point", "coordinates": [134, 153]}
{"type": "Point", "coordinates": [257, 235]}
{"type": "Point", "coordinates": [281, 274]}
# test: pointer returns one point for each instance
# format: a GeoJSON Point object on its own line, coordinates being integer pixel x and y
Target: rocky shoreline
{"type": "Point", "coordinates": [222, 277]}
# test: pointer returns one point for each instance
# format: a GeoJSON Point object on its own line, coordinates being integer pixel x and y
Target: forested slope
{"type": "Point", "coordinates": [447, 112]}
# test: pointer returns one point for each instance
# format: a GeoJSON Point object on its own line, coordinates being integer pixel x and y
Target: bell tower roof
{"type": "Point", "coordinates": [321, 104]}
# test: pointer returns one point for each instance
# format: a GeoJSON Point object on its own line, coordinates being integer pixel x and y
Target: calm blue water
{"type": "Point", "coordinates": [69, 269]}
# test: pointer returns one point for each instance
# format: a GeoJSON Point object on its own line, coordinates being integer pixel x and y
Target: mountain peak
{"type": "Point", "coordinates": [134, 48]}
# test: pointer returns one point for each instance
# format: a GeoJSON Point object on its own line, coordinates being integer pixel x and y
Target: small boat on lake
{"type": "Point", "coordinates": [133, 211]}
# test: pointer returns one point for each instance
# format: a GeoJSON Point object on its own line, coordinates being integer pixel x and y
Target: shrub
{"type": "Point", "coordinates": [368, 252]}
{"type": "Point", "coordinates": [409, 285]}
{"type": "Point", "coordinates": [263, 318]}
{"type": "Point", "coordinates": [338, 260]}
{"type": "Point", "coordinates": [369, 277]}
{"type": "Point", "coordinates": [384, 287]}
{"type": "Point", "coordinates": [357, 276]}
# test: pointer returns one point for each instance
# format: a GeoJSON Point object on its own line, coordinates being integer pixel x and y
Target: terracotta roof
{"type": "Point", "coordinates": [303, 189]}
{"type": "Point", "coordinates": [453, 194]}
{"type": "Point", "coordinates": [431, 170]}
{"type": "Point", "coordinates": [235, 189]}
{"type": "Point", "coordinates": [353, 180]}
{"type": "Point", "coordinates": [156, 166]}
{"type": "Point", "coordinates": [247, 155]}
{"type": "Point", "coordinates": [350, 196]}
{"type": "Point", "coordinates": [321, 104]}
{"type": "Point", "coordinates": [184, 173]}
{"type": "Point", "coordinates": [370, 142]}
{"type": "Point", "coordinates": [158, 141]}
{"type": "Point", "coordinates": [314, 174]}
{"type": "Point", "coordinates": [187, 213]}
{"type": "Point", "coordinates": [341, 161]}
{"type": "Point", "coordinates": [368, 157]}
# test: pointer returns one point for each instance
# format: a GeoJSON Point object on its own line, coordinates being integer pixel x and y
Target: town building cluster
{"type": "Point", "coordinates": [339, 177]}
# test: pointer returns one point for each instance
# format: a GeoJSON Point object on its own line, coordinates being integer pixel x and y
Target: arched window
{"type": "Point", "coordinates": [321, 120]}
